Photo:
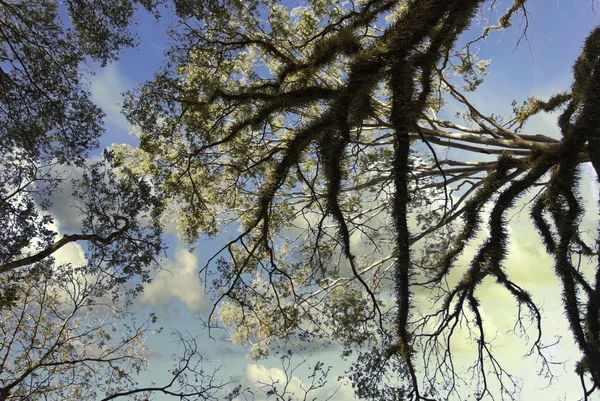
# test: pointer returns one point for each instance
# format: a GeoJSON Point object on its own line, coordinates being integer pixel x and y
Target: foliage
{"type": "Point", "coordinates": [48, 126]}
{"type": "Point", "coordinates": [119, 219]}
{"type": "Point", "coordinates": [311, 131]}
{"type": "Point", "coordinates": [46, 108]}
{"type": "Point", "coordinates": [61, 334]}
{"type": "Point", "coordinates": [62, 340]}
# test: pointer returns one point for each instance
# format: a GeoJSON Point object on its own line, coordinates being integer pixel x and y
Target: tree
{"type": "Point", "coordinates": [312, 130]}
{"type": "Point", "coordinates": [284, 384]}
{"type": "Point", "coordinates": [48, 126]}
{"type": "Point", "coordinates": [63, 339]}
{"type": "Point", "coordinates": [118, 216]}
{"type": "Point", "coordinates": [66, 330]}
{"type": "Point", "coordinates": [46, 113]}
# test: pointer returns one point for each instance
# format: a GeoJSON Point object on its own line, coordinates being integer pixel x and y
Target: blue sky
{"type": "Point", "coordinates": [541, 67]}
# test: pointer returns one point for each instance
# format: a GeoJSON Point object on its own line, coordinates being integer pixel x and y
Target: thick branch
{"type": "Point", "coordinates": [66, 239]}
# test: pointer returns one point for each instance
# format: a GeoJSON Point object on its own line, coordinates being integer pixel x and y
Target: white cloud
{"type": "Point", "coordinates": [528, 265]}
{"type": "Point", "coordinates": [260, 379]}
{"type": "Point", "coordinates": [107, 86]}
{"type": "Point", "coordinates": [71, 253]}
{"type": "Point", "coordinates": [177, 280]}
{"type": "Point", "coordinates": [67, 217]}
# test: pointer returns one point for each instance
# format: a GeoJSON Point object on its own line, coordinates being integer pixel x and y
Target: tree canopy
{"type": "Point", "coordinates": [318, 133]}
{"type": "Point", "coordinates": [57, 317]}
{"type": "Point", "coordinates": [313, 130]}
{"type": "Point", "coordinates": [48, 126]}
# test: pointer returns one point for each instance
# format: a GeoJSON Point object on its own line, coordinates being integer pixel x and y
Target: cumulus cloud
{"type": "Point", "coordinates": [71, 253]}
{"type": "Point", "coordinates": [63, 209]}
{"type": "Point", "coordinates": [177, 280]}
{"type": "Point", "coordinates": [531, 267]}
{"type": "Point", "coordinates": [107, 86]}
{"type": "Point", "coordinates": [260, 379]}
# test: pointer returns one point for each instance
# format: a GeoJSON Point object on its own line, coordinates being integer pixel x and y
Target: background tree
{"type": "Point", "coordinates": [285, 385]}
{"type": "Point", "coordinates": [64, 339]}
{"type": "Point", "coordinates": [311, 130]}
{"type": "Point", "coordinates": [46, 113]}
{"type": "Point", "coordinates": [118, 216]}
{"type": "Point", "coordinates": [48, 125]}
{"type": "Point", "coordinates": [61, 340]}
{"type": "Point", "coordinates": [66, 334]}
